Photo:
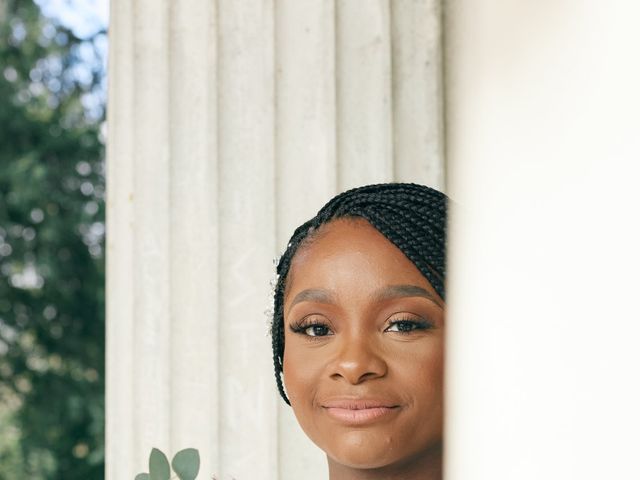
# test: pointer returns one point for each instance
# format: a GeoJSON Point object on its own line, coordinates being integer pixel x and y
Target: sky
{"type": "Point", "coordinates": [83, 17]}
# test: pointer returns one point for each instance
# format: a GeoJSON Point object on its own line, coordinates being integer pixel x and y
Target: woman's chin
{"type": "Point", "coordinates": [363, 450]}
{"type": "Point", "coordinates": [373, 450]}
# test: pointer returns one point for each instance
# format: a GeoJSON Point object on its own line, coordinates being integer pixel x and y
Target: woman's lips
{"type": "Point", "coordinates": [359, 412]}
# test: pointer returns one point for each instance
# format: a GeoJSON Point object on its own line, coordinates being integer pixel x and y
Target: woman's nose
{"type": "Point", "coordinates": [357, 360]}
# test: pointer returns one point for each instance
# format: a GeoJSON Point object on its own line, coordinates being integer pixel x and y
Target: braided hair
{"type": "Point", "coordinates": [412, 217]}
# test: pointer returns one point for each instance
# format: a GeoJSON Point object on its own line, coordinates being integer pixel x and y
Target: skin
{"type": "Point", "coordinates": [346, 291]}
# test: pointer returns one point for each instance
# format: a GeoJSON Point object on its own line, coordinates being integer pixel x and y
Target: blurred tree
{"type": "Point", "coordinates": [51, 249]}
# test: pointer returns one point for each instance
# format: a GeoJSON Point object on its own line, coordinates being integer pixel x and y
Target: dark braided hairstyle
{"type": "Point", "coordinates": [412, 217]}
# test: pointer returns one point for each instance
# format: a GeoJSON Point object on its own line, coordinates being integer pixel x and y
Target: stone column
{"type": "Point", "coordinates": [229, 124]}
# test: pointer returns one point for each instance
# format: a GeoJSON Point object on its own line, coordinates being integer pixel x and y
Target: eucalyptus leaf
{"type": "Point", "coordinates": [186, 463]}
{"type": "Point", "coordinates": [159, 466]}
{"type": "Point", "coordinates": [142, 476]}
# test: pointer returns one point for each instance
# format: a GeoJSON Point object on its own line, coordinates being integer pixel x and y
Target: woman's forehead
{"type": "Point", "coordinates": [349, 252]}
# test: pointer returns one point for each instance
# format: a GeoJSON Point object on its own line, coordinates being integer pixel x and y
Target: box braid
{"type": "Point", "coordinates": [412, 217]}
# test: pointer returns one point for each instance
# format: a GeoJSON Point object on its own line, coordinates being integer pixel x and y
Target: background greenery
{"type": "Point", "coordinates": [51, 249]}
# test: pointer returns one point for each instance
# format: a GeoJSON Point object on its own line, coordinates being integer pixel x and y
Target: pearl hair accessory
{"type": "Point", "coordinates": [270, 311]}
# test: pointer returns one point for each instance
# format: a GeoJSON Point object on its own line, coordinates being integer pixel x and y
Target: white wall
{"type": "Point", "coordinates": [543, 105]}
{"type": "Point", "coordinates": [230, 123]}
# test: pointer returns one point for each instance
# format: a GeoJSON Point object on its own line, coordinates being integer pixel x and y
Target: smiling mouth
{"type": "Point", "coordinates": [359, 412]}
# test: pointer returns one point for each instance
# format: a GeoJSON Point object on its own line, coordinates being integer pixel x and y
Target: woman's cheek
{"type": "Point", "coordinates": [300, 376]}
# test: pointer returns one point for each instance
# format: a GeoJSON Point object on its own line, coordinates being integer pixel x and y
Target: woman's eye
{"type": "Point", "coordinates": [405, 326]}
{"type": "Point", "coordinates": [317, 330]}
{"type": "Point", "coordinates": [312, 328]}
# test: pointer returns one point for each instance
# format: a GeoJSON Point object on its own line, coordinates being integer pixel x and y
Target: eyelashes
{"type": "Point", "coordinates": [408, 325]}
{"type": "Point", "coordinates": [314, 328]}
{"type": "Point", "coordinates": [317, 328]}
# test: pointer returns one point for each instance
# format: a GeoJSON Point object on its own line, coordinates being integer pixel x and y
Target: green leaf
{"type": "Point", "coordinates": [142, 476]}
{"type": "Point", "coordinates": [158, 466]}
{"type": "Point", "coordinates": [186, 463]}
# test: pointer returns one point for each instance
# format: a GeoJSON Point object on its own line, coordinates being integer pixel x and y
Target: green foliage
{"type": "Point", "coordinates": [185, 463]}
{"type": "Point", "coordinates": [51, 252]}
{"type": "Point", "coordinates": [158, 465]}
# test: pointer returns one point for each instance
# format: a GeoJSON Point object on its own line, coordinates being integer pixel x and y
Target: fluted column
{"type": "Point", "coordinates": [162, 265]}
{"type": "Point", "coordinates": [229, 124]}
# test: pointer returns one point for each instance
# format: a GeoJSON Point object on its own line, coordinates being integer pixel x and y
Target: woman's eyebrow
{"type": "Point", "coordinates": [313, 295]}
{"type": "Point", "coordinates": [398, 291]}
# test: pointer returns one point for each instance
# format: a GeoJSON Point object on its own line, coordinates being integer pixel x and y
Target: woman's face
{"type": "Point", "coordinates": [363, 359]}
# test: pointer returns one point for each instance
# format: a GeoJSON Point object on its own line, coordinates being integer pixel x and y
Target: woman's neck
{"type": "Point", "coordinates": [423, 467]}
